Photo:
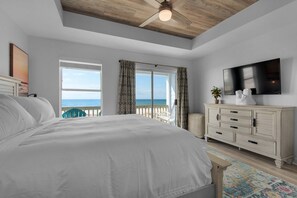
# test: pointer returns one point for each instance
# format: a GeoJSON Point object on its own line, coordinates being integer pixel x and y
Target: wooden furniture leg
{"type": "Point", "coordinates": [279, 163]}
{"type": "Point", "coordinates": [217, 172]}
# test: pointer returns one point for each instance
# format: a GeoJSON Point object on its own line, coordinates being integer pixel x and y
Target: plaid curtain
{"type": "Point", "coordinates": [182, 98]}
{"type": "Point", "coordinates": [126, 94]}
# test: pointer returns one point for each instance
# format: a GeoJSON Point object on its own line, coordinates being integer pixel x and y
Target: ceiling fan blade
{"type": "Point", "coordinates": [153, 3]}
{"type": "Point", "coordinates": [149, 20]}
{"type": "Point", "coordinates": [180, 18]}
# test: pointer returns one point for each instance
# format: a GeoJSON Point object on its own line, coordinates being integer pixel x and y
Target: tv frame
{"type": "Point", "coordinates": [246, 65]}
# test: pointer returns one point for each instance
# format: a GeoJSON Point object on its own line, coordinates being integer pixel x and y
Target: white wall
{"type": "Point", "coordinates": [44, 68]}
{"type": "Point", "coordinates": [9, 33]}
{"type": "Point", "coordinates": [280, 42]}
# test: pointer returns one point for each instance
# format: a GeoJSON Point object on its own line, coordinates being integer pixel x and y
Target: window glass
{"type": "Point", "coordinates": [155, 95]}
{"type": "Point", "coordinates": [80, 99]}
{"type": "Point", "coordinates": [80, 79]}
{"type": "Point", "coordinates": [80, 90]}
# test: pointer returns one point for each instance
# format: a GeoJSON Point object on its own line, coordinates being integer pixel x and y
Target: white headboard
{"type": "Point", "coordinates": [9, 85]}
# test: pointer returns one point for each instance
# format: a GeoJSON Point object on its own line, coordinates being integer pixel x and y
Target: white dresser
{"type": "Point", "coordinates": [267, 130]}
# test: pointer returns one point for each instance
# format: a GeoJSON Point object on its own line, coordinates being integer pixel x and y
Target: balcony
{"type": "Point", "coordinates": [144, 110]}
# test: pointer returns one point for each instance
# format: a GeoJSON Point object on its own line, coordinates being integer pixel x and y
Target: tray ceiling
{"type": "Point", "coordinates": [203, 14]}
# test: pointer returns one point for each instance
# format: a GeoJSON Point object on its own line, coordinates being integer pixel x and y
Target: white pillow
{"type": "Point", "coordinates": [40, 108]}
{"type": "Point", "coordinates": [13, 117]}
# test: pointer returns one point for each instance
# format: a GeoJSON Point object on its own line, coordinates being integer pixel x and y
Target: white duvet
{"type": "Point", "coordinates": [107, 157]}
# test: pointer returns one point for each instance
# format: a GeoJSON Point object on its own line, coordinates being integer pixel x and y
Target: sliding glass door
{"type": "Point", "coordinates": [144, 102]}
{"type": "Point", "coordinates": [155, 94]}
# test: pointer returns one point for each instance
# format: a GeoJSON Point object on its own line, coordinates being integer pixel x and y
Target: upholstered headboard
{"type": "Point", "coordinates": [9, 85]}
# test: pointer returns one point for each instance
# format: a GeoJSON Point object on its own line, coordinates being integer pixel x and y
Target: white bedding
{"type": "Point", "coordinates": [107, 157]}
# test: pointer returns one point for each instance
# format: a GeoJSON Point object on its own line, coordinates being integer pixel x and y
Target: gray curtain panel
{"type": "Point", "coordinates": [126, 95]}
{"type": "Point", "coordinates": [182, 98]}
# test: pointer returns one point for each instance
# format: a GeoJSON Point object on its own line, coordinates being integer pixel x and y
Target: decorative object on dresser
{"type": "Point", "coordinates": [196, 124]}
{"type": "Point", "coordinates": [244, 97]}
{"type": "Point", "coordinates": [266, 130]}
{"type": "Point", "coordinates": [216, 92]}
{"type": "Point", "coordinates": [19, 63]}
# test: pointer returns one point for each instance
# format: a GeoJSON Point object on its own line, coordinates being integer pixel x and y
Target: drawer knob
{"type": "Point", "coordinates": [233, 111]}
{"type": "Point", "coordinates": [233, 119]}
{"type": "Point", "coordinates": [234, 127]}
{"type": "Point", "coordinates": [218, 133]}
{"type": "Point", "coordinates": [253, 142]}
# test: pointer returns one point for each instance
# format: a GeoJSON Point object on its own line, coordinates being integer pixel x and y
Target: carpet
{"type": "Point", "coordinates": [244, 181]}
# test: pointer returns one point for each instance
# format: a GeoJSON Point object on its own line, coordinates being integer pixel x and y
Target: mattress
{"type": "Point", "coordinates": [110, 157]}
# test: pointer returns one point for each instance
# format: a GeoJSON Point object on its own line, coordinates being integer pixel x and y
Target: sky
{"type": "Point", "coordinates": [90, 79]}
{"type": "Point", "coordinates": [80, 79]}
{"type": "Point", "coordinates": [143, 86]}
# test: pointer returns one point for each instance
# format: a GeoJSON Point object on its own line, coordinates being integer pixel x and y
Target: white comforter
{"type": "Point", "coordinates": [108, 157]}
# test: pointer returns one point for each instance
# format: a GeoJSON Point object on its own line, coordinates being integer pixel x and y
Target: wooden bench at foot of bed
{"type": "Point", "coordinates": [217, 173]}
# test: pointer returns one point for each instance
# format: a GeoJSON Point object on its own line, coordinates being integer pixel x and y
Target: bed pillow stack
{"type": "Point", "coordinates": [39, 108]}
{"type": "Point", "coordinates": [13, 117]}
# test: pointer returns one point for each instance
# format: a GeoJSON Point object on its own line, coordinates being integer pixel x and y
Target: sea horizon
{"type": "Point", "coordinates": [97, 102]}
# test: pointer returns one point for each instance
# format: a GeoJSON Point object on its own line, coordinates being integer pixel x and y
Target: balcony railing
{"type": "Point", "coordinates": [144, 110]}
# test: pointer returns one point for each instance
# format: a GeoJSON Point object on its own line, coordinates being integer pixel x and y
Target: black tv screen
{"type": "Point", "coordinates": [262, 78]}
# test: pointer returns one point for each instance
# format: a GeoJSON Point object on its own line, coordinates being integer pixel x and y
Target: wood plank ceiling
{"type": "Point", "coordinates": [203, 14]}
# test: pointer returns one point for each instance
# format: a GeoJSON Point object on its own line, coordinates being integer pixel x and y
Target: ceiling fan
{"type": "Point", "coordinates": [166, 12]}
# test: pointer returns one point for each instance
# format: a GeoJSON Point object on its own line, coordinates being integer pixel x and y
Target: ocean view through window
{"type": "Point", "coordinates": [155, 94]}
{"type": "Point", "coordinates": [80, 89]}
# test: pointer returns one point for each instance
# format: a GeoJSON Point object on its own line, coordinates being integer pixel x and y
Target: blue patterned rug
{"type": "Point", "coordinates": [244, 181]}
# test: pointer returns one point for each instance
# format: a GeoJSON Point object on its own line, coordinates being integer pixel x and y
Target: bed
{"type": "Point", "coordinates": [112, 156]}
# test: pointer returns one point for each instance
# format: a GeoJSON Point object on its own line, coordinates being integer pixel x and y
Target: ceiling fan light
{"type": "Point", "coordinates": [165, 15]}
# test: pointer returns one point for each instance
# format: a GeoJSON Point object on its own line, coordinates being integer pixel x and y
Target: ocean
{"type": "Point", "coordinates": [95, 102]}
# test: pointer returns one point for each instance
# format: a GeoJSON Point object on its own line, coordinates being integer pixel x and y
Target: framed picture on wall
{"type": "Point", "coordinates": [19, 66]}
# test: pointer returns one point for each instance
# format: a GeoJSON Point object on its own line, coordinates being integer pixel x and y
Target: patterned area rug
{"type": "Point", "coordinates": [244, 181]}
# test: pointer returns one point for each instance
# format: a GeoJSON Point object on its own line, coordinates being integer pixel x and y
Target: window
{"type": "Point", "coordinates": [80, 89]}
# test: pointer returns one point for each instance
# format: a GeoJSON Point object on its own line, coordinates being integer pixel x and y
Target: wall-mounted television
{"type": "Point", "coordinates": [262, 78]}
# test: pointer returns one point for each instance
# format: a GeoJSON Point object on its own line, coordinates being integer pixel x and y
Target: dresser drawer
{"type": "Point", "coordinates": [256, 144]}
{"type": "Point", "coordinates": [221, 134]}
{"type": "Point", "coordinates": [236, 120]}
{"type": "Point", "coordinates": [237, 128]}
{"type": "Point", "coordinates": [237, 112]}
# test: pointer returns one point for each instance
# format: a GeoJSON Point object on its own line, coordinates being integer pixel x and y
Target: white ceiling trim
{"type": "Point", "coordinates": [82, 22]}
